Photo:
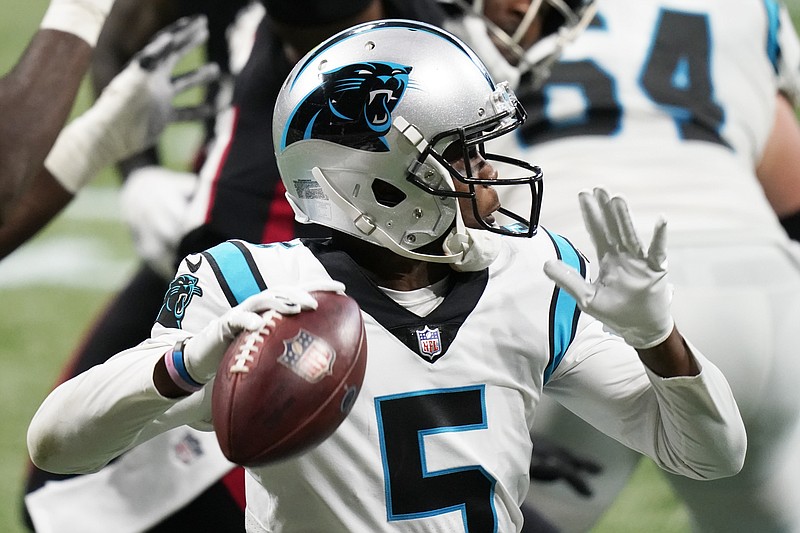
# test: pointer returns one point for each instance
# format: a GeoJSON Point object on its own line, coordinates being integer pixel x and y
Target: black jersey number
{"type": "Point", "coordinates": [412, 490]}
{"type": "Point", "coordinates": [676, 76]}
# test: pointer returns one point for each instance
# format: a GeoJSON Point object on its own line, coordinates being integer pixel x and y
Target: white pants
{"type": "Point", "coordinates": [137, 491]}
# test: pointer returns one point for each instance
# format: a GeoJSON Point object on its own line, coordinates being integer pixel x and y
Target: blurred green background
{"type": "Point", "coordinates": [52, 288]}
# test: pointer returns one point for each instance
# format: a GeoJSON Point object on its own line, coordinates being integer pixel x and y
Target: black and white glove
{"type": "Point", "coordinates": [551, 462]}
{"type": "Point", "coordinates": [631, 294]}
{"type": "Point", "coordinates": [135, 108]}
{"type": "Point", "coordinates": [203, 352]}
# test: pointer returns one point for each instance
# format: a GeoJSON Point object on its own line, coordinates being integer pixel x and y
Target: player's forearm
{"type": "Point", "coordinates": [91, 419]}
{"type": "Point", "coordinates": [670, 358]}
{"type": "Point", "coordinates": [32, 211]}
{"type": "Point", "coordinates": [699, 431]}
{"type": "Point", "coordinates": [699, 419]}
{"type": "Point", "coordinates": [35, 100]}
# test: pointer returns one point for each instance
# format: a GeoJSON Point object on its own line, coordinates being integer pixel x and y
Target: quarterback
{"type": "Point", "coordinates": [379, 135]}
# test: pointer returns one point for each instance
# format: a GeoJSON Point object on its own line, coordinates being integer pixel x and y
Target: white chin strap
{"type": "Point", "coordinates": [478, 248]}
{"type": "Point", "coordinates": [363, 223]}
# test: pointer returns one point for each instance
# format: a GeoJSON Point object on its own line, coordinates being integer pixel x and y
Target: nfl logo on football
{"type": "Point", "coordinates": [308, 356]}
{"type": "Point", "coordinates": [430, 344]}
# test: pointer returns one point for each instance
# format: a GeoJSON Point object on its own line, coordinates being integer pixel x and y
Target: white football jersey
{"type": "Point", "coordinates": [672, 123]}
{"type": "Point", "coordinates": [438, 439]}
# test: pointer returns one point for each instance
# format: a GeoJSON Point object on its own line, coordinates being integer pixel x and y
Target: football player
{"type": "Point", "coordinates": [438, 439]}
{"type": "Point", "coordinates": [687, 108]}
{"type": "Point", "coordinates": [36, 96]}
{"type": "Point", "coordinates": [156, 199]}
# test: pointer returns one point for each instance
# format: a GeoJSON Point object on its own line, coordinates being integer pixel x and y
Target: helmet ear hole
{"type": "Point", "coordinates": [387, 194]}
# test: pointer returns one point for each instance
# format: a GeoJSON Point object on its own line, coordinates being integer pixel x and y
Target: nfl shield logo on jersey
{"type": "Point", "coordinates": [430, 342]}
{"type": "Point", "coordinates": [308, 356]}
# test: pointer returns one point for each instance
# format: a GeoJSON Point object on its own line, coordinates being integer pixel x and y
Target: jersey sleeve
{"type": "Point", "coordinates": [687, 425]}
{"type": "Point", "coordinates": [94, 417]}
{"type": "Point", "coordinates": [112, 407]}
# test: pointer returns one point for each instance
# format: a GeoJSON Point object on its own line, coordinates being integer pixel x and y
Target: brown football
{"type": "Point", "coordinates": [285, 388]}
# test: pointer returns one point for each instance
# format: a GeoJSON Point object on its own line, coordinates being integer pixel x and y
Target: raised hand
{"type": "Point", "coordinates": [135, 108]}
{"type": "Point", "coordinates": [631, 294]}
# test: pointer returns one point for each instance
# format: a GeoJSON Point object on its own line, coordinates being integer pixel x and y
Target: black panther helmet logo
{"type": "Point", "coordinates": [178, 296]}
{"type": "Point", "coordinates": [352, 106]}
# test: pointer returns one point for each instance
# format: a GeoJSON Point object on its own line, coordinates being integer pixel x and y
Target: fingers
{"type": "Point", "coordinates": [578, 484]}
{"type": "Point", "coordinates": [290, 300]}
{"type": "Point", "coordinates": [155, 52]}
{"type": "Point", "coordinates": [325, 285]}
{"type": "Point", "coordinates": [622, 227]}
{"type": "Point", "coordinates": [587, 465]}
{"type": "Point", "coordinates": [193, 113]}
{"type": "Point", "coordinates": [609, 223]}
{"type": "Point", "coordinates": [593, 219]}
{"type": "Point", "coordinates": [657, 252]}
{"type": "Point", "coordinates": [239, 320]}
{"type": "Point", "coordinates": [285, 300]}
{"type": "Point", "coordinates": [173, 43]}
{"type": "Point", "coordinates": [201, 76]}
{"type": "Point", "coordinates": [570, 280]}
{"type": "Point", "coordinates": [188, 33]}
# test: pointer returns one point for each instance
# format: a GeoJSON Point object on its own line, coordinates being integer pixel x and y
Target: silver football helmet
{"type": "Point", "coordinates": [361, 124]}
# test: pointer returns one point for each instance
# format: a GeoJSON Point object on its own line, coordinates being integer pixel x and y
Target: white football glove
{"type": "Point", "coordinates": [135, 108]}
{"type": "Point", "coordinates": [153, 201]}
{"type": "Point", "coordinates": [203, 352]}
{"type": "Point", "coordinates": [631, 294]}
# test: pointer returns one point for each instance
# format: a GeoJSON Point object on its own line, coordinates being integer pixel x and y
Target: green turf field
{"type": "Point", "coordinates": [53, 287]}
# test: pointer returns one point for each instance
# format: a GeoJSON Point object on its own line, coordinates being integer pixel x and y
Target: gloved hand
{"type": "Point", "coordinates": [631, 294]}
{"type": "Point", "coordinates": [550, 462]}
{"type": "Point", "coordinates": [135, 108]}
{"type": "Point", "coordinates": [153, 200]}
{"type": "Point", "coordinates": [203, 352]}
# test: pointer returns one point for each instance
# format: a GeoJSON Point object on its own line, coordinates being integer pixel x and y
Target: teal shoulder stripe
{"type": "Point", "coordinates": [774, 21]}
{"type": "Point", "coordinates": [235, 270]}
{"type": "Point", "coordinates": [564, 310]}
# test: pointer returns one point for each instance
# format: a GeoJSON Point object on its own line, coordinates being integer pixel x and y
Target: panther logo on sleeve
{"type": "Point", "coordinates": [352, 106]}
{"type": "Point", "coordinates": [180, 293]}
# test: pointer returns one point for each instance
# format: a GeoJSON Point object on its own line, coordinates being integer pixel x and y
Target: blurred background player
{"type": "Point", "coordinates": [37, 95]}
{"type": "Point", "coordinates": [129, 116]}
{"type": "Point", "coordinates": [686, 108]}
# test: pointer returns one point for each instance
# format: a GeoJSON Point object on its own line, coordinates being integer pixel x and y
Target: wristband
{"type": "Point", "coordinates": [83, 18]}
{"type": "Point", "coordinates": [96, 139]}
{"type": "Point", "coordinates": [176, 368]}
{"type": "Point", "coordinates": [74, 158]}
